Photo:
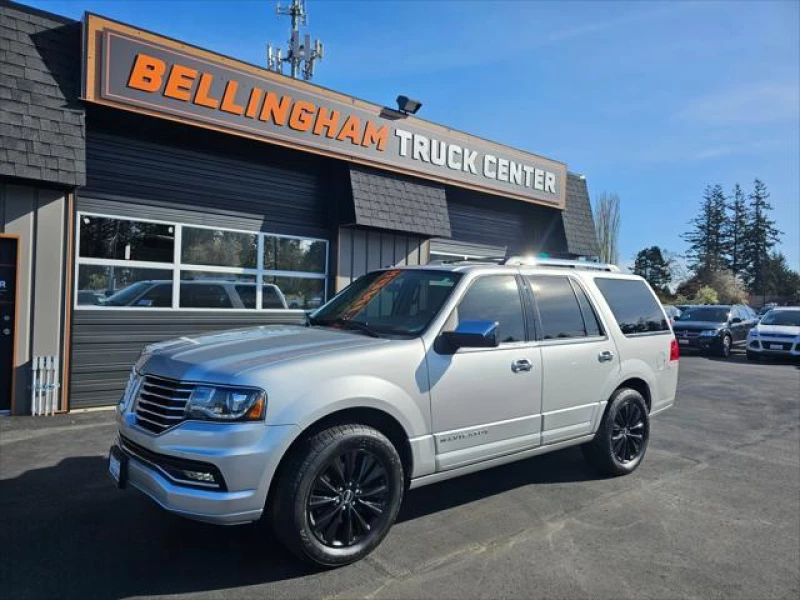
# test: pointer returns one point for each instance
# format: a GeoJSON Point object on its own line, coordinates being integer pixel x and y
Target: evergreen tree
{"type": "Point", "coordinates": [779, 279]}
{"type": "Point", "coordinates": [736, 231]}
{"type": "Point", "coordinates": [762, 235]}
{"type": "Point", "coordinates": [654, 268]}
{"type": "Point", "coordinates": [708, 245]}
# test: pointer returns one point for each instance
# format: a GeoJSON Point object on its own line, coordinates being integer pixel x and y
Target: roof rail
{"type": "Point", "coordinates": [475, 260]}
{"type": "Point", "coordinates": [532, 261]}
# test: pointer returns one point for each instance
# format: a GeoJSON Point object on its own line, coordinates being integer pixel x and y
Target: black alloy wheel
{"type": "Point", "coordinates": [621, 440]}
{"type": "Point", "coordinates": [627, 436]}
{"type": "Point", "coordinates": [337, 494]}
{"type": "Point", "coordinates": [349, 495]}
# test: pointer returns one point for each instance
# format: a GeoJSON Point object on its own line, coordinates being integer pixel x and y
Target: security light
{"type": "Point", "coordinates": [407, 105]}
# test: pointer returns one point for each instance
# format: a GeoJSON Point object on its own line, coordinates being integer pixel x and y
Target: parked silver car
{"type": "Point", "coordinates": [776, 335]}
{"type": "Point", "coordinates": [409, 376]}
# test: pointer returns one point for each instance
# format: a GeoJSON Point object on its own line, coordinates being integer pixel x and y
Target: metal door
{"type": "Point", "coordinates": [8, 306]}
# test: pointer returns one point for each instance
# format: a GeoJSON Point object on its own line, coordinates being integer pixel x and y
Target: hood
{"type": "Point", "coordinates": [777, 329]}
{"type": "Point", "coordinates": [227, 355]}
{"type": "Point", "coordinates": [696, 325]}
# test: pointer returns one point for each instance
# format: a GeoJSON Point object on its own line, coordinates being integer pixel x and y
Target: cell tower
{"type": "Point", "coordinates": [301, 57]}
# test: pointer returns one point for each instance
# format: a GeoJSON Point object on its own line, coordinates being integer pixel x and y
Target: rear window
{"type": "Point", "coordinates": [633, 304]}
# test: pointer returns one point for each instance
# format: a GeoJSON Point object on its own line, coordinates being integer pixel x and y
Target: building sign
{"type": "Point", "coordinates": [135, 70]}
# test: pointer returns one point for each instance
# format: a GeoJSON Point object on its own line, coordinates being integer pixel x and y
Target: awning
{"type": "Point", "coordinates": [577, 216]}
{"type": "Point", "coordinates": [398, 203]}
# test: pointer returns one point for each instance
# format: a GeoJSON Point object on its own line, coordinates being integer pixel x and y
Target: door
{"type": "Point", "coordinates": [739, 329]}
{"type": "Point", "coordinates": [8, 307]}
{"type": "Point", "coordinates": [486, 402]}
{"type": "Point", "coordinates": [579, 360]}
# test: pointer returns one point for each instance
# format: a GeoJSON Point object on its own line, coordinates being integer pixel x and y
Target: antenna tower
{"type": "Point", "coordinates": [300, 57]}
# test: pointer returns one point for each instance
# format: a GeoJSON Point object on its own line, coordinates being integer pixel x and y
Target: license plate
{"type": "Point", "coordinates": [683, 341]}
{"type": "Point", "coordinates": [776, 346]}
{"type": "Point", "coordinates": [117, 466]}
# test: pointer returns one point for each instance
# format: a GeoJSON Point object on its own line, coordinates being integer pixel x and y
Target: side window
{"type": "Point", "coordinates": [590, 320]}
{"type": "Point", "coordinates": [558, 307]}
{"type": "Point", "coordinates": [159, 296]}
{"type": "Point", "coordinates": [204, 295]}
{"type": "Point", "coordinates": [495, 298]}
{"type": "Point", "coordinates": [633, 305]}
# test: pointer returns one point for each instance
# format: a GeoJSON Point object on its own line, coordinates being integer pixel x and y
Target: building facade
{"type": "Point", "coordinates": [150, 189]}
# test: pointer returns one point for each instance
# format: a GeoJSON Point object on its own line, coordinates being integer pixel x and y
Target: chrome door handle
{"type": "Point", "coordinates": [605, 356]}
{"type": "Point", "coordinates": [521, 365]}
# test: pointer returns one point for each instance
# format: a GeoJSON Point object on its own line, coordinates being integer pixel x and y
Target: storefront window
{"type": "Point", "coordinates": [125, 263]}
{"type": "Point", "coordinates": [120, 286]}
{"type": "Point", "coordinates": [218, 247]}
{"type": "Point", "coordinates": [122, 239]}
{"type": "Point", "coordinates": [300, 292]}
{"type": "Point", "coordinates": [294, 254]}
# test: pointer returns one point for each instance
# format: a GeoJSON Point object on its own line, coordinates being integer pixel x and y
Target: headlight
{"type": "Point", "coordinates": [709, 332]}
{"type": "Point", "coordinates": [752, 333]}
{"type": "Point", "coordinates": [131, 391]}
{"type": "Point", "coordinates": [226, 404]}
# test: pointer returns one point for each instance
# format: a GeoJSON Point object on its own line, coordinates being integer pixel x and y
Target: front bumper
{"type": "Point", "coordinates": [777, 348]}
{"type": "Point", "coordinates": [242, 456]}
{"type": "Point", "coordinates": [702, 344]}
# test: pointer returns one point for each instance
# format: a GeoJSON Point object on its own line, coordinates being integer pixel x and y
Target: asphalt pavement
{"type": "Point", "coordinates": [713, 512]}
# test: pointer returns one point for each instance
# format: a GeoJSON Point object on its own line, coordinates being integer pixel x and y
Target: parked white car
{"type": "Point", "coordinates": [777, 334]}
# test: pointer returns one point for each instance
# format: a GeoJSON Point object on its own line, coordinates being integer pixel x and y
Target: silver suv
{"type": "Point", "coordinates": [409, 376]}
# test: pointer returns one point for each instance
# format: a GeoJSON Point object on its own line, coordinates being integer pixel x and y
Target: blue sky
{"type": "Point", "coordinates": [650, 100]}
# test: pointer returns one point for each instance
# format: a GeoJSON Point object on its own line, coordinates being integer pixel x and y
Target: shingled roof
{"type": "Point", "coordinates": [42, 131]}
{"type": "Point", "coordinates": [578, 220]}
{"type": "Point", "coordinates": [399, 203]}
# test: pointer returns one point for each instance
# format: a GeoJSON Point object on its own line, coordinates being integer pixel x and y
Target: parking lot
{"type": "Point", "coordinates": [713, 512]}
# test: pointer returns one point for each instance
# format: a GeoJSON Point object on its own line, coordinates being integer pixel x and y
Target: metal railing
{"type": "Point", "coordinates": [44, 385]}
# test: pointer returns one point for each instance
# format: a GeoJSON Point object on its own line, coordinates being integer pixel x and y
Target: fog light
{"type": "Point", "coordinates": [200, 476]}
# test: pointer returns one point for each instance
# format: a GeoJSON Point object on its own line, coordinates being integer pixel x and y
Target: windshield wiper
{"type": "Point", "coordinates": [350, 324]}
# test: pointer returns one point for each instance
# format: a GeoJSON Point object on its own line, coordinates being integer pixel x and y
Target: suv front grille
{"type": "Point", "coordinates": [161, 403]}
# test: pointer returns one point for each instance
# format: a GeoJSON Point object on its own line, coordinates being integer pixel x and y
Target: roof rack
{"type": "Point", "coordinates": [532, 261]}
{"type": "Point", "coordinates": [473, 260]}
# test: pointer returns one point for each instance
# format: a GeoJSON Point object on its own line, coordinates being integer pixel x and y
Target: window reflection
{"type": "Point", "coordinates": [299, 292]}
{"type": "Point", "coordinates": [124, 286]}
{"type": "Point", "coordinates": [121, 239]}
{"type": "Point", "coordinates": [291, 254]}
{"type": "Point", "coordinates": [217, 247]}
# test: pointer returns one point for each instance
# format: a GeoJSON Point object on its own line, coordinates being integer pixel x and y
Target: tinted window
{"type": "Point", "coordinates": [495, 298]}
{"type": "Point", "coordinates": [117, 286]}
{"type": "Point", "coordinates": [204, 295]}
{"type": "Point", "coordinates": [633, 305]}
{"type": "Point", "coordinates": [121, 239]}
{"type": "Point", "coordinates": [558, 307]}
{"type": "Point", "coordinates": [218, 247]}
{"type": "Point", "coordinates": [590, 320]}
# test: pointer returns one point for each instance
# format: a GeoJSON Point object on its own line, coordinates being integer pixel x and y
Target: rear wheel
{"type": "Point", "coordinates": [621, 441]}
{"type": "Point", "coordinates": [338, 495]}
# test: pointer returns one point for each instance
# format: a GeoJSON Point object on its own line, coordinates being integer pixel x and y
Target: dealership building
{"type": "Point", "coordinates": [151, 189]}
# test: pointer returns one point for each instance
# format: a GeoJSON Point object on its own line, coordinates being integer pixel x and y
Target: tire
{"type": "Point", "coordinates": [342, 526]}
{"type": "Point", "coordinates": [725, 346]}
{"type": "Point", "coordinates": [626, 414]}
{"type": "Point", "coordinates": [753, 356]}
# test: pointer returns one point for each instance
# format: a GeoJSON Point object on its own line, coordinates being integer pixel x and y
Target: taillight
{"type": "Point", "coordinates": [674, 350]}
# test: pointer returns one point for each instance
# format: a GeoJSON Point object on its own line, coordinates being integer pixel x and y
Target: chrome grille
{"type": "Point", "coordinates": [161, 403]}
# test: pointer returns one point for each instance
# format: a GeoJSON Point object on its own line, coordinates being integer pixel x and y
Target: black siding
{"type": "Point", "coordinates": [521, 227]}
{"type": "Point", "coordinates": [105, 344]}
{"type": "Point", "coordinates": [141, 167]}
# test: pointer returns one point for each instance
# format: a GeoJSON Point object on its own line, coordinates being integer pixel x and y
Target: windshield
{"type": "Point", "coordinates": [396, 301]}
{"type": "Point", "coordinates": [127, 295]}
{"type": "Point", "coordinates": [713, 314]}
{"type": "Point", "coordinates": [782, 317]}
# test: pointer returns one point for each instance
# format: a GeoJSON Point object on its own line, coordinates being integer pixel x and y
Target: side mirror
{"type": "Point", "coordinates": [472, 334]}
{"type": "Point", "coordinates": [735, 320]}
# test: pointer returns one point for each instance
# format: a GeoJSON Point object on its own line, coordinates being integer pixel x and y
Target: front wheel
{"type": "Point", "coordinates": [621, 441]}
{"type": "Point", "coordinates": [725, 346]}
{"type": "Point", "coordinates": [338, 495]}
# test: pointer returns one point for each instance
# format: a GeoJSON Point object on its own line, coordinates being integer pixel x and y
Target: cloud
{"type": "Point", "coordinates": [598, 26]}
{"type": "Point", "coordinates": [754, 104]}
